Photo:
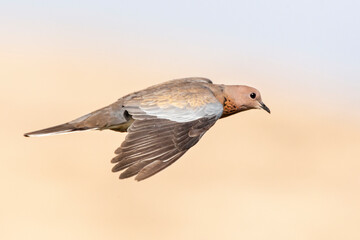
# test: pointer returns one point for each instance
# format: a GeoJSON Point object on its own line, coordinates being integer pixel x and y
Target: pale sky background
{"type": "Point", "coordinates": [293, 174]}
{"type": "Point", "coordinates": [308, 46]}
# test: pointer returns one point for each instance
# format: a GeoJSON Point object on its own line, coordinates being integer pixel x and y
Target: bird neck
{"type": "Point", "coordinates": [225, 95]}
{"type": "Point", "coordinates": [230, 106]}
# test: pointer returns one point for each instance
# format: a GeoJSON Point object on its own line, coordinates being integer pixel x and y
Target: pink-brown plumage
{"type": "Point", "coordinates": [163, 121]}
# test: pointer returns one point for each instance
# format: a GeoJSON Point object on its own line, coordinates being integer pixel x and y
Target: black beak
{"type": "Point", "coordinates": [263, 106]}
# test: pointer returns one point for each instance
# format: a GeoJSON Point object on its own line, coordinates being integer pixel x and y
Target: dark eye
{"type": "Point", "coordinates": [253, 95]}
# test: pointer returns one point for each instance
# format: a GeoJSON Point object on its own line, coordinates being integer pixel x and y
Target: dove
{"type": "Point", "coordinates": [163, 121]}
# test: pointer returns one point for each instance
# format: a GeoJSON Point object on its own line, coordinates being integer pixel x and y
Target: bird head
{"type": "Point", "coordinates": [245, 97]}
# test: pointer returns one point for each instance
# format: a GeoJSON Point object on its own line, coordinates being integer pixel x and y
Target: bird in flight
{"type": "Point", "coordinates": [162, 121]}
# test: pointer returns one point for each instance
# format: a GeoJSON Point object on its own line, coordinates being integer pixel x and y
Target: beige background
{"type": "Point", "coordinates": [294, 174]}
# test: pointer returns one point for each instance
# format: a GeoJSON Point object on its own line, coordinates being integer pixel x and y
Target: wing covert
{"type": "Point", "coordinates": [178, 100]}
{"type": "Point", "coordinates": [168, 120]}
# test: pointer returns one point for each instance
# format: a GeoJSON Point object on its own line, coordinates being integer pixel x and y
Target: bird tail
{"type": "Point", "coordinates": [79, 124]}
{"type": "Point", "coordinates": [59, 129]}
{"type": "Point", "coordinates": [112, 117]}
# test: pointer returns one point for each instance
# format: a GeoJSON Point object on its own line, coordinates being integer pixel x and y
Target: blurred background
{"type": "Point", "coordinates": [294, 174]}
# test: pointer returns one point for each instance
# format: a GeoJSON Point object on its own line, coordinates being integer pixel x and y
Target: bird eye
{"type": "Point", "coordinates": [253, 95]}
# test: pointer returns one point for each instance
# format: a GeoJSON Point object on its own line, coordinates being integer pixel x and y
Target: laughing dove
{"type": "Point", "coordinates": [163, 121]}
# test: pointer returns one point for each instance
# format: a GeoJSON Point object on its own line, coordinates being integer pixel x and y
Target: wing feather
{"type": "Point", "coordinates": [158, 151]}
{"type": "Point", "coordinates": [168, 120]}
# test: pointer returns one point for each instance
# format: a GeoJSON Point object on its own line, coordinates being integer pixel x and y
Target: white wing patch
{"type": "Point", "coordinates": [186, 114]}
{"type": "Point", "coordinates": [178, 101]}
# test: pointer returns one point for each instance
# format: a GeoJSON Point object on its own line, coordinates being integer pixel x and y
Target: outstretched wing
{"type": "Point", "coordinates": [154, 144]}
{"type": "Point", "coordinates": [168, 121]}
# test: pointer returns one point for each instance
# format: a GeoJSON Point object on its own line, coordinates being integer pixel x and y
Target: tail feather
{"type": "Point", "coordinates": [112, 117]}
{"type": "Point", "coordinates": [59, 129]}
